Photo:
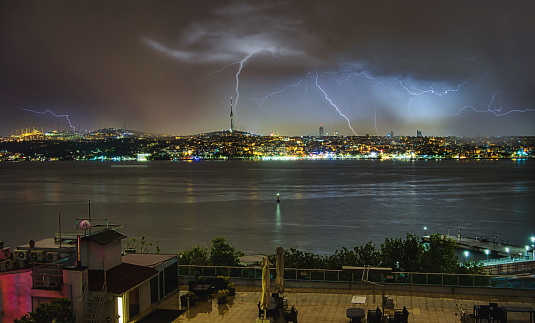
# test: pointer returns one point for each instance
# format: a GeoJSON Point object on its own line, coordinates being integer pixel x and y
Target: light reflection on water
{"type": "Point", "coordinates": [324, 204]}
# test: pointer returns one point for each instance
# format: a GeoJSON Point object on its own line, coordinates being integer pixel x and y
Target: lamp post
{"type": "Point", "coordinates": [507, 250]}
{"type": "Point", "coordinates": [487, 251]}
{"type": "Point", "coordinates": [527, 251]}
{"type": "Point", "coordinates": [466, 254]}
{"type": "Point", "coordinates": [425, 231]}
{"type": "Point", "coordinates": [448, 228]}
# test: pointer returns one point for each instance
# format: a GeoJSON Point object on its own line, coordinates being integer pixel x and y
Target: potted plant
{"type": "Point", "coordinates": [231, 289]}
{"type": "Point", "coordinates": [222, 296]}
{"type": "Point", "coordinates": [184, 299]}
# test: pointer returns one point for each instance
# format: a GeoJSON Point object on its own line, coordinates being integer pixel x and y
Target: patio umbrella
{"type": "Point", "coordinates": [264, 304]}
{"type": "Point", "coordinates": [279, 262]}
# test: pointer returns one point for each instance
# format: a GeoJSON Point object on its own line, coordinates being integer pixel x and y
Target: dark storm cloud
{"type": "Point", "coordinates": [102, 58]}
{"type": "Point", "coordinates": [429, 40]}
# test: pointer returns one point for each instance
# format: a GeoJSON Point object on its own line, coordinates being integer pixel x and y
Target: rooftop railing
{"type": "Point", "coordinates": [339, 276]}
{"type": "Point", "coordinates": [47, 276]}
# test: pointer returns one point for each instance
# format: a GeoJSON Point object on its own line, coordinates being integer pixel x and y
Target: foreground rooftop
{"type": "Point", "coordinates": [329, 305]}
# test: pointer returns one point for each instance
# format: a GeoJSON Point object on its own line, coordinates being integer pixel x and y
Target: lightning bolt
{"type": "Point", "coordinates": [496, 111]}
{"type": "Point", "coordinates": [238, 75]}
{"type": "Point", "coordinates": [417, 92]}
{"type": "Point", "coordinates": [334, 105]}
{"type": "Point", "coordinates": [66, 116]}
{"type": "Point", "coordinates": [218, 71]}
{"type": "Point", "coordinates": [262, 100]}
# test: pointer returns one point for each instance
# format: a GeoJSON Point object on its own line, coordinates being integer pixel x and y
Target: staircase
{"type": "Point", "coordinates": [91, 309]}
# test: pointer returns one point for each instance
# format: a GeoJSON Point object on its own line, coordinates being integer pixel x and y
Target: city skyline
{"type": "Point", "coordinates": [452, 68]}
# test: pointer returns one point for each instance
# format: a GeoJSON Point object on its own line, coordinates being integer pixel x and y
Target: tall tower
{"type": "Point", "coordinates": [321, 130]}
{"type": "Point", "coordinates": [231, 117]}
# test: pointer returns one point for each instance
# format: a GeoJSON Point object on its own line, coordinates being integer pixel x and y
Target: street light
{"type": "Point", "coordinates": [425, 231]}
{"type": "Point", "coordinates": [466, 254]}
{"type": "Point", "coordinates": [487, 251]}
{"type": "Point", "coordinates": [448, 232]}
{"type": "Point", "coordinates": [507, 250]}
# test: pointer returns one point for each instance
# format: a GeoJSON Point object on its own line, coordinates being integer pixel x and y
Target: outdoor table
{"type": "Point", "coordinates": [519, 310]}
{"type": "Point", "coordinates": [358, 300]}
{"type": "Point", "coordinates": [355, 314]}
{"type": "Point", "coordinates": [202, 291]}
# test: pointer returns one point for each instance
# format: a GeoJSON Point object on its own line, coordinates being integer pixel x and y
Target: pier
{"type": "Point", "coordinates": [495, 248]}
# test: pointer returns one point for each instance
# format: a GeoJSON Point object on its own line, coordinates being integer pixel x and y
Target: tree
{"type": "Point", "coordinates": [367, 255]}
{"type": "Point", "coordinates": [223, 254]}
{"type": "Point", "coordinates": [58, 311]}
{"type": "Point", "coordinates": [198, 256]}
{"type": "Point", "coordinates": [402, 254]}
{"type": "Point", "coordinates": [440, 256]}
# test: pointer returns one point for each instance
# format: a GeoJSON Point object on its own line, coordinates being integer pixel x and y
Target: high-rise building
{"type": "Point", "coordinates": [231, 117]}
{"type": "Point", "coordinates": [419, 134]}
{"type": "Point", "coordinates": [391, 134]}
{"type": "Point", "coordinates": [321, 130]}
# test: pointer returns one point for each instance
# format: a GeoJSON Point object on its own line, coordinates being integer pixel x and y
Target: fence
{"type": "Point", "coordinates": [326, 275]}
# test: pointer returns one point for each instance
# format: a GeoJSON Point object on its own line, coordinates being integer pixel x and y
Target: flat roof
{"type": "Point", "coordinates": [151, 260]}
{"type": "Point", "coordinates": [48, 243]}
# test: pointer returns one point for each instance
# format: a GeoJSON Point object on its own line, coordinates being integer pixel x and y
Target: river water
{"type": "Point", "coordinates": [324, 205]}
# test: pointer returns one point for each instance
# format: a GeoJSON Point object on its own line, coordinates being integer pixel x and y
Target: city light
{"type": "Point", "coordinates": [487, 252]}
{"type": "Point", "coordinates": [466, 254]}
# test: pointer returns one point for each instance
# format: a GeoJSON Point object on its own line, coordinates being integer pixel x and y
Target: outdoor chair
{"type": "Point", "coordinates": [483, 313]}
{"type": "Point", "coordinates": [291, 315]}
{"type": "Point", "coordinates": [401, 316]}
{"type": "Point", "coordinates": [373, 316]}
{"type": "Point", "coordinates": [498, 314]}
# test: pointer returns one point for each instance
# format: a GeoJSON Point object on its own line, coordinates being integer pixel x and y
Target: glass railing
{"type": "Point", "coordinates": [339, 276]}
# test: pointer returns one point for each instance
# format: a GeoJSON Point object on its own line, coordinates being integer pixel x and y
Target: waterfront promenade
{"type": "Point", "coordinates": [329, 305]}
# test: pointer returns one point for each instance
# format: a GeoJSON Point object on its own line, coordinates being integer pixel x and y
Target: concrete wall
{"type": "Point", "coordinates": [144, 296]}
{"type": "Point", "coordinates": [97, 257]}
{"type": "Point", "coordinates": [76, 279]}
{"type": "Point", "coordinates": [15, 300]}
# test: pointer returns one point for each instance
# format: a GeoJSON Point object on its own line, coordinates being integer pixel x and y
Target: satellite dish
{"type": "Point", "coordinates": [84, 225]}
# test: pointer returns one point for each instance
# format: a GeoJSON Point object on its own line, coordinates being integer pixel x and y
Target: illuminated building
{"type": "Point", "coordinates": [321, 130]}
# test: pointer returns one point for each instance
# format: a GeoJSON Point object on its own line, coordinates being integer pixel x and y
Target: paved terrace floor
{"type": "Point", "coordinates": [329, 305]}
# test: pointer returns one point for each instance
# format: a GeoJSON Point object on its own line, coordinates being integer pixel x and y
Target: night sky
{"type": "Point", "coordinates": [460, 68]}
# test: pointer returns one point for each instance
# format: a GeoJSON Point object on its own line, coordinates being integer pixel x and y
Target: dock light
{"type": "Point", "coordinates": [487, 252]}
{"type": "Point", "coordinates": [425, 231]}
{"type": "Point", "coordinates": [466, 254]}
{"type": "Point", "coordinates": [507, 250]}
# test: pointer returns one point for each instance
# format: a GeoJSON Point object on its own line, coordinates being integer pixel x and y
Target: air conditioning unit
{"type": "Point", "coordinates": [51, 256]}
{"type": "Point", "coordinates": [17, 264]}
{"type": "Point", "coordinates": [6, 252]}
{"type": "Point", "coordinates": [37, 255]}
{"type": "Point", "coordinates": [20, 255]}
{"type": "Point", "coordinates": [5, 265]}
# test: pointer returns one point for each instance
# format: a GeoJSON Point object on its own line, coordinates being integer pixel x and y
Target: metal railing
{"type": "Point", "coordinates": [338, 276]}
{"type": "Point", "coordinates": [47, 276]}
